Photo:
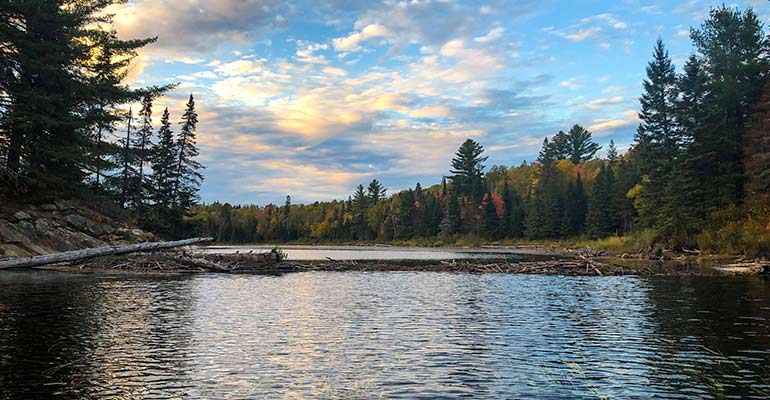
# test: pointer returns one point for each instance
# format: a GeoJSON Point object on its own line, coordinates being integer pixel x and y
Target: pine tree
{"type": "Point", "coordinates": [164, 160]}
{"type": "Point", "coordinates": [579, 145]}
{"type": "Point", "coordinates": [359, 208]}
{"type": "Point", "coordinates": [186, 175]}
{"type": "Point", "coordinates": [658, 137]}
{"type": "Point", "coordinates": [601, 220]}
{"type": "Point", "coordinates": [126, 157]}
{"type": "Point", "coordinates": [467, 169]}
{"type": "Point", "coordinates": [612, 152]}
{"type": "Point", "coordinates": [450, 224]}
{"type": "Point", "coordinates": [490, 223]}
{"type": "Point", "coordinates": [732, 46]}
{"type": "Point", "coordinates": [575, 209]}
{"type": "Point", "coordinates": [757, 154]}
{"type": "Point", "coordinates": [142, 146]}
{"type": "Point", "coordinates": [375, 191]}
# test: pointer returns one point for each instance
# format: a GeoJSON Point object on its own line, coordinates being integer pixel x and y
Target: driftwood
{"type": "Point", "coordinates": [76, 255]}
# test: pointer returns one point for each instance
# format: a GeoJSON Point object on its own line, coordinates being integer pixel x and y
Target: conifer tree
{"type": "Point", "coordinates": [575, 209]}
{"type": "Point", "coordinates": [450, 224]}
{"type": "Point", "coordinates": [163, 160]}
{"type": "Point", "coordinates": [601, 220]}
{"type": "Point", "coordinates": [612, 152]}
{"type": "Point", "coordinates": [490, 223]}
{"type": "Point", "coordinates": [578, 145]}
{"type": "Point", "coordinates": [187, 179]}
{"type": "Point", "coordinates": [467, 169]}
{"type": "Point", "coordinates": [142, 146]}
{"type": "Point", "coordinates": [375, 191]}
{"type": "Point", "coordinates": [359, 208]}
{"type": "Point", "coordinates": [658, 138]}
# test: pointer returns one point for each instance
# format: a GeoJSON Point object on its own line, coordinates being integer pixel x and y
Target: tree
{"type": "Point", "coordinates": [376, 191]}
{"type": "Point", "coordinates": [601, 220]}
{"type": "Point", "coordinates": [142, 145]}
{"type": "Point", "coordinates": [575, 209]}
{"type": "Point", "coordinates": [128, 176]}
{"type": "Point", "coordinates": [163, 162]}
{"type": "Point", "coordinates": [658, 138]}
{"type": "Point", "coordinates": [612, 152]}
{"type": "Point", "coordinates": [61, 85]}
{"type": "Point", "coordinates": [732, 46]}
{"type": "Point", "coordinates": [579, 145]}
{"type": "Point", "coordinates": [450, 224]}
{"type": "Point", "coordinates": [467, 169]}
{"type": "Point", "coordinates": [187, 179]}
{"type": "Point", "coordinates": [490, 223]}
{"type": "Point", "coordinates": [757, 154]}
{"type": "Point", "coordinates": [360, 206]}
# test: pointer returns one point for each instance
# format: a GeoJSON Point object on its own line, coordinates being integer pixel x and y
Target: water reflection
{"type": "Point", "coordinates": [366, 335]}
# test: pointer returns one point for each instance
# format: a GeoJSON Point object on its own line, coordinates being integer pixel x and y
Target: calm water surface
{"type": "Point", "coordinates": [382, 335]}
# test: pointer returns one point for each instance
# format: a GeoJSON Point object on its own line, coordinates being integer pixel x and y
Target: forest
{"type": "Point", "coordinates": [67, 128]}
{"type": "Point", "coordinates": [697, 175]}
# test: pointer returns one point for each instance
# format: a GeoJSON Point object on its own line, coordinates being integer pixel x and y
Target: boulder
{"type": "Point", "coordinates": [21, 216]}
{"type": "Point", "coordinates": [84, 224]}
{"type": "Point", "coordinates": [49, 207]}
{"type": "Point", "coordinates": [65, 205]}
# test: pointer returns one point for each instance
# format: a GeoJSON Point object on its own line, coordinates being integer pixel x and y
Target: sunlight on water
{"type": "Point", "coordinates": [389, 335]}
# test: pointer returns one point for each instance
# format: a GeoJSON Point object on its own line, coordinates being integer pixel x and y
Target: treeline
{"type": "Point", "coordinates": [698, 174]}
{"type": "Point", "coordinates": [66, 127]}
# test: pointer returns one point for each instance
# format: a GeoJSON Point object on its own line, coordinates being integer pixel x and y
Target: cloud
{"type": "Point", "coordinates": [583, 34]}
{"type": "Point", "coordinates": [353, 41]}
{"type": "Point", "coordinates": [240, 67]}
{"type": "Point", "coordinates": [604, 102]}
{"type": "Point", "coordinates": [200, 25]}
{"type": "Point", "coordinates": [494, 34]}
{"type": "Point", "coordinates": [626, 118]}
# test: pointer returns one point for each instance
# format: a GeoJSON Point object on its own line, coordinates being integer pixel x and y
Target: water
{"type": "Point", "coordinates": [311, 253]}
{"type": "Point", "coordinates": [382, 335]}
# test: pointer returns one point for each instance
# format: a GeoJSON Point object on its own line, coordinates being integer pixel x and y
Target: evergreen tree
{"type": "Point", "coordinates": [490, 222]}
{"type": "Point", "coordinates": [450, 224]}
{"type": "Point", "coordinates": [376, 191]}
{"type": "Point", "coordinates": [601, 220]}
{"type": "Point", "coordinates": [164, 160]}
{"type": "Point", "coordinates": [142, 146]}
{"type": "Point", "coordinates": [405, 215]}
{"type": "Point", "coordinates": [579, 145]}
{"type": "Point", "coordinates": [187, 179]}
{"type": "Point", "coordinates": [126, 157]}
{"type": "Point", "coordinates": [757, 154]}
{"type": "Point", "coordinates": [359, 208]}
{"type": "Point", "coordinates": [612, 152]}
{"type": "Point", "coordinates": [467, 169]}
{"type": "Point", "coordinates": [658, 137]}
{"type": "Point", "coordinates": [575, 209]}
{"type": "Point", "coordinates": [732, 46]}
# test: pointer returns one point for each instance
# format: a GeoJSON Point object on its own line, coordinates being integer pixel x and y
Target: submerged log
{"type": "Point", "coordinates": [76, 255]}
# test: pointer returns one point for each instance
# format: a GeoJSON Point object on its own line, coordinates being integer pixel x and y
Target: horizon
{"type": "Point", "coordinates": [312, 99]}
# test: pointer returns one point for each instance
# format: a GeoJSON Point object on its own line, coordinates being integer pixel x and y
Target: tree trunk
{"type": "Point", "coordinates": [75, 255]}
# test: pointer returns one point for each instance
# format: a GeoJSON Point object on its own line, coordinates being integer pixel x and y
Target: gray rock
{"type": "Point", "coordinates": [22, 216]}
{"type": "Point", "coordinates": [26, 228]}
{"type": "Point", "coordinates": [84, 225]}
{"type": "Point", "coordinates": [65, 205]}
{"type": "Point", "coordinates": [44, 225]}
{"type": "Point", "coordinates": [49, 207]}
{"type": "Point", "coordinates": [108, 230]}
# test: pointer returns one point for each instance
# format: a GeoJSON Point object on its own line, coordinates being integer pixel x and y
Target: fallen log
{"type": "Point", "coordinates": [75, 255]}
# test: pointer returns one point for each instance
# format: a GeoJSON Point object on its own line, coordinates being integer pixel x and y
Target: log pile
{"type": "Point", "coordinates": [180, 261]}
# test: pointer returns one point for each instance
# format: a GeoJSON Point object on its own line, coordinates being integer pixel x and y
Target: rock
{"type": "Point", "coordinates": [133, 235]}
{"type": "Point", "coordinates": [22, 216]}
{"type": "Point", "coordinates": [65, 205]}
{"type": "Point", "coordinates": [84, 224]}
{"type": "Point", "coordinates": [9, 250]}
{"type": "Point", "coordinates": [21, 235]}
{"type": "Point", "coordinates": [108, 230]}
{"type": "Point", "coordinates": [48, 207]}
{"type": "Point", "coordinates": [44, 225]}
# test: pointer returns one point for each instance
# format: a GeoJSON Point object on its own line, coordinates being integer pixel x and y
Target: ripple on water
{"type": "Point", "coordinates": [394, 335]}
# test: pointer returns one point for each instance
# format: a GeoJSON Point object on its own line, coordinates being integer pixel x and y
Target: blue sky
{"type": "Point", "coordinates": [310, 98]}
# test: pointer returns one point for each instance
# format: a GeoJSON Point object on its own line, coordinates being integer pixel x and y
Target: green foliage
{"type": "Point", "coordinates": [468, 168]}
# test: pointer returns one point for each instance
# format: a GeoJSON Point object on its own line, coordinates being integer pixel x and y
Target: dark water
{"type": "Point", "coordinates": [383, 335]}
{"type": "Point", "coordinates": [306, 253]}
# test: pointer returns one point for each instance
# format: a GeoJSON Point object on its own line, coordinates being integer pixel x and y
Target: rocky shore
{"type": "Point", "coordinates": [28, 230]}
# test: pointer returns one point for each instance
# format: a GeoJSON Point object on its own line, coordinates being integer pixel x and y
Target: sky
{"type": "Point", "coordinates": [312, 97]}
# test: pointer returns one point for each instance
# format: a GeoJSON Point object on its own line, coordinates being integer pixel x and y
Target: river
{"type": "Point", "coordinates": [382, 335]}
